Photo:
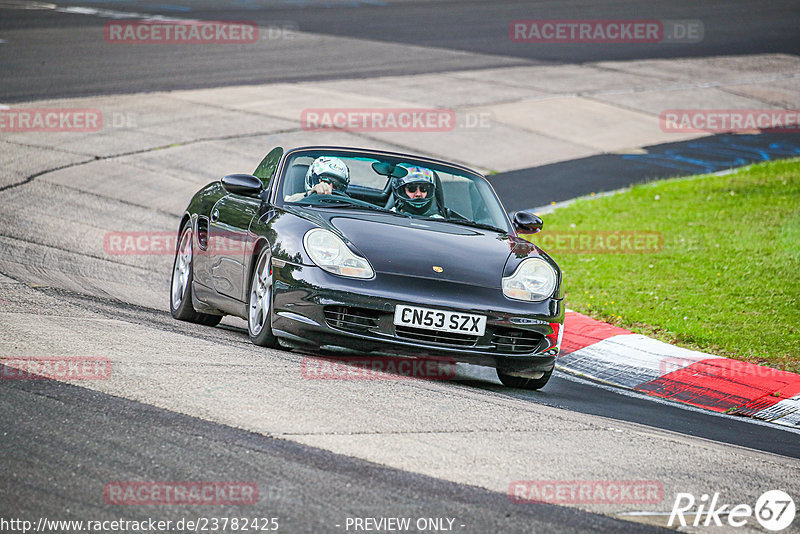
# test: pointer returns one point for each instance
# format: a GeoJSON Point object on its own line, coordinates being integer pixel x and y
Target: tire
{"type": "Point", "coordinates": [259, 303]}
{"type": "Point", "coordinates": [180, 293]}
{"type": "Point", "coordinates": [206, 319]}
{"type": "Point", "coordinates": [524, 383]}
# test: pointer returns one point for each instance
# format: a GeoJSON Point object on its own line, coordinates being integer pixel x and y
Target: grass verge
{"type": "Point", "coordinates": [711, 262]}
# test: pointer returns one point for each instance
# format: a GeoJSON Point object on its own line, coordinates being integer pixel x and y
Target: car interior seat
{"type": "Point", "coordinates": [295, 181]}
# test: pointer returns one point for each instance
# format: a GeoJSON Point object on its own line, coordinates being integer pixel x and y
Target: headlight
{"type": "Point", "coordinates": [534, 279]}
{"type": "Point", "coordinates": [330, 253]}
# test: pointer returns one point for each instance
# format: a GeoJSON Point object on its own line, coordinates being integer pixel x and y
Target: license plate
{"type": "Point", "coordinates": [443, 321]}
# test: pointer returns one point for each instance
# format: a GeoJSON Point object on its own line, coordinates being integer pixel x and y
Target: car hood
{"type": "Point", "coordinates": [420, 248]}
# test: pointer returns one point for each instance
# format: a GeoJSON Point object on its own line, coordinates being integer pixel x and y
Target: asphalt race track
{"type": "Point", "coordinates": [45, 53]}
{"type": "Point", "coordinates": [191, 403]}
{"type": "Point", "coordinates": [566, 180]}
{"type": "Point", "coordinates": [309, 489]}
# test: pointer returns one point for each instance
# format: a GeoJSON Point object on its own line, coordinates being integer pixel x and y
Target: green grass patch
{"type": "Point", "coordinates": [724, 279]}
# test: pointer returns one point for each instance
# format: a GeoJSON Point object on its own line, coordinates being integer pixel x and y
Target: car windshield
{"type": "Point", "coordinates": [459, 197]}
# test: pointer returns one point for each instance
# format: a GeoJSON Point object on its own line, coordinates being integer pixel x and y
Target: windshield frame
{"type": "Point", "coordinates": [344, 152]}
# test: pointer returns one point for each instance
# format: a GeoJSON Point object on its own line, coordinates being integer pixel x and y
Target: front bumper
{"type": "Point", "coordinates": [313, 307]}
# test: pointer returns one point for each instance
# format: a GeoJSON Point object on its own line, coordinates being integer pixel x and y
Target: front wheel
{"type": "Point", "coordinates": [524, 383]}
{"type": "Point", "coordinates": [259, 323]}
{"type": "Point", "coordinates": [180, 302]}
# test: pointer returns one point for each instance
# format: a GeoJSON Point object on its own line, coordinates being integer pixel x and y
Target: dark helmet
{"type": "Point", "coordinates": [417, 177]}
{"type": "Point", "coordinates": [328, 169]}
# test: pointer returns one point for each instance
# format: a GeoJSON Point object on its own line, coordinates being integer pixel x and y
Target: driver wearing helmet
{"type": "Point", "coordinates": [414, 193]}
{"type": "Point", "coordinates": [324, 176]}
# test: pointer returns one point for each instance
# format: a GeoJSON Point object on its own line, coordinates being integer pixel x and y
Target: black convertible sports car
{"type": "Point", "coordinates": [346, 267]}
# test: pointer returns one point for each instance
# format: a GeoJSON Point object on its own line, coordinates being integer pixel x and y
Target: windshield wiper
{"type": "Point", "coordinates": [463, 221]}
{"type": "Point", "coordinates": [341, 202]}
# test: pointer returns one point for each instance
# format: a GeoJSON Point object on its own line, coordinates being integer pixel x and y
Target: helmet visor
{"type": "Point", "coordinates": [423, 187]}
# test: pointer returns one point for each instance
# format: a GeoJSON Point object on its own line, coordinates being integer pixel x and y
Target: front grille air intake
{"type": "Point", "coordinates": [516, 341]}
{"type": "Point", "coordinates": [351, 319]}
{"type": "Point", "coordinates": [433, 336]}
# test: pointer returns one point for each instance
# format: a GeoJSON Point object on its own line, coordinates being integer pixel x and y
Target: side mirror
{"type": "Point", "coordinates": [528, 222]}
{"type": "Point", "coordinates": [242, 184]}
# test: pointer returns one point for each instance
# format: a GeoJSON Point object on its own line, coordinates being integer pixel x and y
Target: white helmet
{"type": "Point", "coordinates": [328, 169]}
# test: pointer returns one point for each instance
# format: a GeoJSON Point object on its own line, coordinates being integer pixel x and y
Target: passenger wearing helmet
{"type": "Point", "coordinates": [415, 193]}
{"type": "Point", "coordinates": [324, 176]}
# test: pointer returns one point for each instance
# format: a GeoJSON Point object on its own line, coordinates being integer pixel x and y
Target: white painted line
{"type": "Point", "coordinates": [92, 11]}
{"type": "Point", "coordinates": [20, 4]}
{"type": "Point", "coordinates": [784, 412]}
{"type": "Point", "coordinates": [647, 514]}
{"type": "Point", "coordinates": [629, 360]}
{"type": "Point", "coordinates": [119, 15]}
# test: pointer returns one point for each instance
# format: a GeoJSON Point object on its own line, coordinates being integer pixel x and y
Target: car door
{"type": "Point", "coordinates": [228, 242]}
